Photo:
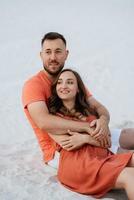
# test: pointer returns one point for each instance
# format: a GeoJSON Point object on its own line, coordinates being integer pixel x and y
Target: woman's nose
{"type": "Point", "coordinates": [64, 85]}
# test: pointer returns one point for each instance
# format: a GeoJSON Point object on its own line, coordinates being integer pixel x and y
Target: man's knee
{"type": "Point", "coordinates": [126, 139]}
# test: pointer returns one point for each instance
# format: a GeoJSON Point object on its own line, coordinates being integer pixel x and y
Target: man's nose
{"type": "Point", "coordinates": [53, 56]}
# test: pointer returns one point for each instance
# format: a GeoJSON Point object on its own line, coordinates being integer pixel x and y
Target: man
{"type": "Point", "coordinates": [37, 90]}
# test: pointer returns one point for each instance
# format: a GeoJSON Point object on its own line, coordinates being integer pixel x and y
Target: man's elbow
{"type": "Point", "coordinates": [45, 127]}
{"type": "Point", "coordinates": [42, 123]}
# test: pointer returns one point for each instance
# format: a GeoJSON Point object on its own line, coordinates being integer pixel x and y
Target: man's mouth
{"type": "Point", "coordinates": [54, 63]}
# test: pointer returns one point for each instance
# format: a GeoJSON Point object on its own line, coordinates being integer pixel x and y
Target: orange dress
{"type": "Point", "coordinates": [91, 170]}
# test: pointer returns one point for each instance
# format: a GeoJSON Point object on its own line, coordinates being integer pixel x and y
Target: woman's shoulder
{"type": "Point", "coordinates": [90, 118]}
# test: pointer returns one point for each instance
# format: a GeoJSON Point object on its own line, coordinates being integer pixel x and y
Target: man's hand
{"type": "Point", "coordinates": [100, 125]}
{"type": "Point", "coordinates": [101, 132]}
{"type": "Point", "coordinates": [101, 128]}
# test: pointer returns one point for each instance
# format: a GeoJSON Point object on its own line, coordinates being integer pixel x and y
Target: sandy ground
{"type": "Point", "coordinates": [23, 176]}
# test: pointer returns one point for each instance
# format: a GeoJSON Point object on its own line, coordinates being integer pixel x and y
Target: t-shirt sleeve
{"type": "Point", "coordinates": [32, 92]}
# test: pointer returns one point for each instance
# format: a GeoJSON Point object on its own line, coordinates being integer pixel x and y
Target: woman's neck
{"type": "Point", "coordinates": [69, 110]}
{"type": "Point", "coordinates": [69, 105]}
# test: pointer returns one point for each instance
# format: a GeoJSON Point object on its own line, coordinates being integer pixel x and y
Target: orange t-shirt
{"type": "Point", "coordinates": [38, 88]}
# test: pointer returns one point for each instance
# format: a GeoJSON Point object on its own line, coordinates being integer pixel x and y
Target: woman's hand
{"type": "Point", "coordinates": [74, 141]}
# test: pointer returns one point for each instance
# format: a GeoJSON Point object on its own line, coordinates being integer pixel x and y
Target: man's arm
{"type": "Point", "coordinates": [101, 124]}
{"type": "Point", "coordinates": [58, 127]}
{"type": "Point", "coordinates": [99, 108]}
{"type": "Point", "coordinates": [53, 124]}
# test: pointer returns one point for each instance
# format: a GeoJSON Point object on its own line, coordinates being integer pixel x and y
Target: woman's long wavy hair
{"type": "Point", "coordinates": [55, 104]}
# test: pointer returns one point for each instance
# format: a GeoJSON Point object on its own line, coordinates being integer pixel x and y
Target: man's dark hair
{"type": "Point", "coordinates": [53, 36]}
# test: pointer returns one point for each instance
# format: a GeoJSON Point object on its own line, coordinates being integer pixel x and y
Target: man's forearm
{"type": "Point", "coordinates": [51, 123]}
{"type": "Point", "coordinates": [103, 113]}
{"type": "Point", "coordinates": [57, 125]}
{"type": "Point", "coordinates": [99, 108]}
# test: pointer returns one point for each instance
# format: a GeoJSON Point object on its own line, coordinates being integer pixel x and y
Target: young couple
{"type": "Point", "coordinates": [79, 127]}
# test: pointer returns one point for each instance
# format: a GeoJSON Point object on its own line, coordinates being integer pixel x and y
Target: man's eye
{"type": "Point", "coordinates": [58, 51]}
{"type": "Point", "coordinates": [47, 52]}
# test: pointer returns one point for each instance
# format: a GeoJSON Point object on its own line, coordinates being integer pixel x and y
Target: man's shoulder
{"type": "Point", "coordinates": [36, 88]}
{"type": "Point", "coordinates": [38, 79]}
{"type": "Point", "coordinates": [35, 77]}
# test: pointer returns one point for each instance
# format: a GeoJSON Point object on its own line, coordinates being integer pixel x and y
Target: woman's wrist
{"type": "Point", "coordinates": [87, 129]}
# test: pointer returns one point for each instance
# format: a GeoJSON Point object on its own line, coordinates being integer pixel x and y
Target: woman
{"type": "Point", "coordinates": [88, 170]}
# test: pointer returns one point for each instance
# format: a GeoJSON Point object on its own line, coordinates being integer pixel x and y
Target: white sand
{"type": "Point", "coordinates": [101, 43]}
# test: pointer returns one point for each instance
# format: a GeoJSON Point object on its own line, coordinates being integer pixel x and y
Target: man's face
{"type": "Point", "coordinates": [53, 56]}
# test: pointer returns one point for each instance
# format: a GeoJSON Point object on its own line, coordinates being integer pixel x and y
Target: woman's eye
{"type": "Point", "coordinates": [59, 82]}
{"type": "Point", "coordinates": [70, 82]}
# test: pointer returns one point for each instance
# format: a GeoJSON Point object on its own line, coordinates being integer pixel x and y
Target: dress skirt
{"type": "Point", "coordinates": [91, 170]}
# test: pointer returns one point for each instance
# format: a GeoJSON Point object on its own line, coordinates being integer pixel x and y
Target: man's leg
{"type": "Point", "coordinates": [122, 140]}
{"type": "Point", "coordinates": [126, 139]}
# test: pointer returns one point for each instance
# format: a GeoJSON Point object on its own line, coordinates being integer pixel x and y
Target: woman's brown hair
{"type": "Point", "coordinates": [82, 106]}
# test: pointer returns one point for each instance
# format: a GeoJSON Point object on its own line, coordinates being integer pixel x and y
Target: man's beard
{"type": "Point", "coordinates": [54, 73]}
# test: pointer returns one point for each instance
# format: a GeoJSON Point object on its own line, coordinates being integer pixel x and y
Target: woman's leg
{"type": "Point", "coordinates": [126, 139]}
{"type": "Point", "coordinates": [131, 162]}
{"type": "Point", "coordinates": [125, 181]}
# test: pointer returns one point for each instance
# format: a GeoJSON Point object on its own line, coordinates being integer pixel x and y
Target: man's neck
{"type": "Point", "coordinates": [51, 77]}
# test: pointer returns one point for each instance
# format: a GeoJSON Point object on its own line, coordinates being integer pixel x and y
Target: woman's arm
{"type": "Point", "coordinates": [75, 140]}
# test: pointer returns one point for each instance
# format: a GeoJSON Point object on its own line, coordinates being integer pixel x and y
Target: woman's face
{"type": "Point", "coordinates": [67, 86]}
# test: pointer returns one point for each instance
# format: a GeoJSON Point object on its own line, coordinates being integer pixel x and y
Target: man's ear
{"type": "Point", "coordinates": [41, 54]}
{"type": "Point", "coordinates": [67, 52]}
